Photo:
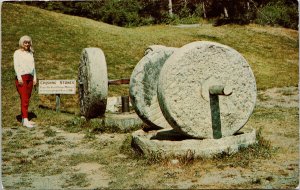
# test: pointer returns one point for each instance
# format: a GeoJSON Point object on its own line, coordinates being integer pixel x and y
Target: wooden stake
{"type": "Point", "coordinates": [57, 102]}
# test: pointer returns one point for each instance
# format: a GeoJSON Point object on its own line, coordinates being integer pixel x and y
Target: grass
{"type": "Point", "coordinates": [260, 150]}
{"type": "Point", "coordinates": [58, 41]}
{"type": "Point", "coordinates": [263, 97]}
{"type": "Point", "coordinates": [286, 92]}
{"type": "Point", "coordinates": [50, 133]}
{"type": "Point", "coordinates": [77, 180]}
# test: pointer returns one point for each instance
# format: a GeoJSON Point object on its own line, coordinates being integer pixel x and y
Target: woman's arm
{"type": "Point", "coordinates": [34, 77]}
{"type": "Point", "coordinates": [17, 66]}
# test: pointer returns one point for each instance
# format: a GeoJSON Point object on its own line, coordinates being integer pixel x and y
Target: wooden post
{"type": "Point", "coordinates": [125, 103]}
{"type": "Point", "coordinates": [57, 102]}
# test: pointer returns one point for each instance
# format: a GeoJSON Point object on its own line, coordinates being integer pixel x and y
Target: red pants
{"type": "Point", "coordinates": [25, 93]}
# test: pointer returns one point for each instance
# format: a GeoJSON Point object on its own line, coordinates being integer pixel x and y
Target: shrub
{"type": "Point", "coordinates": [121, 13]}
{"type": "Point", "coordinates": [199, 10]}
{"type": "Point", "coordinates": [144, 12]}
{"type": "Point", "coordinates": [278, 14]}
{"type": "Point", "coordinates": [190, 20]}
{"type": "Point", "coordinates": [146, 21]}
{"type": "Point", "coordinates": [171, 19]}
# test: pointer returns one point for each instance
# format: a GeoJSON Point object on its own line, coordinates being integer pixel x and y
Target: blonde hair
{"type": "Point", "coordinates": [25, 38]}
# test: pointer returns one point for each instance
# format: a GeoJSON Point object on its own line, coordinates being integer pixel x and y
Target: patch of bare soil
{"type": "Point", "coordinates": [96, 174]}
{"type": "Point", "coordinates": [286, 97]}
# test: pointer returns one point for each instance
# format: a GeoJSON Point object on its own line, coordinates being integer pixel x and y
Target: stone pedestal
{"type": "Point", "coordinates": [167, 142]}
{"type": "Point", "coordinates": [118, 122]}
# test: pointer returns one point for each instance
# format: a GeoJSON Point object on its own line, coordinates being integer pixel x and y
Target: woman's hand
{"type": "Point", "coordinates": [34, 82]}
{"type": "Point", "coordinates": [20, 82]}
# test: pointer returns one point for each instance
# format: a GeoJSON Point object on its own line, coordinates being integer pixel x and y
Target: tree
{"type": "Point", "coordinates": [170, 8]}
{"type": "Point", "coordinates": [143, 12]}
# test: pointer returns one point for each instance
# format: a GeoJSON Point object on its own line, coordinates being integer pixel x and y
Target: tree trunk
{"type": "Point", "coordinates": [170, 8]}
{"type": "Point", "coordinates": [204, 11]}
{"type": "Point", "coordinates": [225, 12]}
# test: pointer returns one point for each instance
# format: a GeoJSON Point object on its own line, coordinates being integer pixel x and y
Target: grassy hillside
{"type": "Point", "coordinates": [59, 39]}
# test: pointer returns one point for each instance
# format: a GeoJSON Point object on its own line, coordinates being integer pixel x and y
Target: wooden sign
{"type": "Point", "coordinates": [57, 86]}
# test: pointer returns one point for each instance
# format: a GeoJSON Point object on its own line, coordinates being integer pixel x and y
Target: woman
{"type": "Point", "coordinates": [25, 76]}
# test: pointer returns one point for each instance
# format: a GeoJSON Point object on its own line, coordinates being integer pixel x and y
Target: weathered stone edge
{"type": "Point", "coordinates": [200, 148]}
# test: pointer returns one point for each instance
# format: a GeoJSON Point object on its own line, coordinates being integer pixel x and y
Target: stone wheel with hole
{"type": "Point", "coordinates": [143, 86]}
{"type": "Point", "coordinates": [183, 89]}
{"type": "Point", "coordinates": [93, 83]}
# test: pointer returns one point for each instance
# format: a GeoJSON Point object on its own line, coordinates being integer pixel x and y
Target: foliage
{"type": "Point", "coordinates": [121, 13]}
{"type": "Point", "coordinates": [146, 12]}
{"type": "Point", "coordinates": [154, 8]}
{"type": "Point", "coordinates": [278, 13]}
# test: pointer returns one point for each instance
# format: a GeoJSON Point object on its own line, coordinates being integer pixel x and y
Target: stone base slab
{"type": "Point", "coordinates": [167, 143]}
{"type": "Point", "coordinates": [121, 122]}
{"type": "Point", "coordinates": [114, 104]}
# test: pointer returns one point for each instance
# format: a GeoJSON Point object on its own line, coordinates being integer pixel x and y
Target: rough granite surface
{"type": "Point", "coordinates": [143, 86]}
{"type": "Point", "coordinates": [93, 82]}
{"type": "Point", "coordinates": [184, 82]}
{"type": "Point", "coordinates": [168, 143]}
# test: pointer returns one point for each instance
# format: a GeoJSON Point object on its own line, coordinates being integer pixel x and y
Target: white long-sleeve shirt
{"type": "Point", "coordinates": [24, 64]}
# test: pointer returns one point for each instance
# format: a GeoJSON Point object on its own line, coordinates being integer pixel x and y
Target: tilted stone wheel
{"type": "Point", "coordinates": [143, 86]}
{"type": "Point", "coordinates": [185, 81]}
{"type": "Point", "coordinates": [93, 82]}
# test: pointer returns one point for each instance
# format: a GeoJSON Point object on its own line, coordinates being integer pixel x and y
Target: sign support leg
{"type": "Point", "coordinates": [57, 102]}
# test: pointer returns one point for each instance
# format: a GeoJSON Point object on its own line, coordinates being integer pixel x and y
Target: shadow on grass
{"type": "Point", "coordinates": [31, 115]}
{"type": "Point", "coordinates": [53, 109]}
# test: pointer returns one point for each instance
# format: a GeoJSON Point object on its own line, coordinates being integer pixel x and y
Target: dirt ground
{"type": "Point", "coordinates": [76, 161]}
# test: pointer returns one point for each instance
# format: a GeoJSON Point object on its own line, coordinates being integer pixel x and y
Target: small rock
{"type": "Point", "coordinates": [290, 168]}
{"type": "Point", "coordinates": [270, 178]}
{"type": "Point", "coordinates": [174, 162]}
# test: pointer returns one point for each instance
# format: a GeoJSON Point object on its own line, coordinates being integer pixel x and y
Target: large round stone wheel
{"type": "Point", "coordinates": [186, 79]}
{"type": "Point", "coordinates": [93, 83]}
{"type": "Point", "coordinates": [143, 86]}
